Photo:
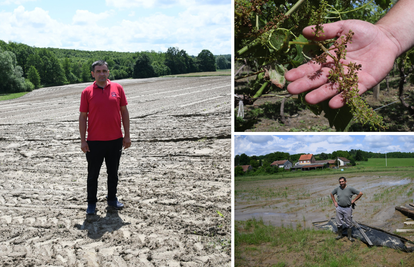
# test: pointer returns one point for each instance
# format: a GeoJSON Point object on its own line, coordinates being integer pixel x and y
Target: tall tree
{"type": "Point", "coordinates": [206, 61]}
{"type": "Point", "coordinates": [33, 76]}
{"type": "Point", "coordinates": [11, 75]}
{"type": "Point", "coordinates": [143, 68]}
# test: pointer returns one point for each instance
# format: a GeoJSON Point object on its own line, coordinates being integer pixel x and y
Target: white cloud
{"type": "Point", "coordinates": [378, 141]}
{"type": "Point", "coordinates": [141, 3]}
{"type": "Point", "coordinates": [340, 139]}
{"type": "Point", "coordinates": [85, 17]}
{"type": "Point", "coordinates": [35, 28]}
{"type": "Point", "coordinates": [260, 139]}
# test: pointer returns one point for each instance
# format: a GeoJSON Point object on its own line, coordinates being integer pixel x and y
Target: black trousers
{"type": "Point", "coordinates": [99, 150]}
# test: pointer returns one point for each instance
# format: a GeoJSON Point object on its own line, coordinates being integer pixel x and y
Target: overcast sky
{"type": "Point", "coordinates": [316, 144]}
{"type": "Point", "coordinates": [119, 25]}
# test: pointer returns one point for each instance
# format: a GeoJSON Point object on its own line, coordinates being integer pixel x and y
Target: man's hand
{"type": "Point", "coordinates": [126, 142]}
{"type": "Point", "coordinates": [336, 204]}
{"type": "Point", "coordinates": [85, 146]}
{"type": "Point", "coordinates": [372, 47]}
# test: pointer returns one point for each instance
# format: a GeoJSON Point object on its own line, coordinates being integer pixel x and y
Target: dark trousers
{"type": "Point", "coordinates": [99, 150]}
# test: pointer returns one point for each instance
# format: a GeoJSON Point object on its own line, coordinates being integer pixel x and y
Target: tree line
{"type": "Point", "coordinates": [24, 68]}
{"type": "Point", "coordinates": [260, 165]}
{"type": "Point", "coordinates": [353, 154]}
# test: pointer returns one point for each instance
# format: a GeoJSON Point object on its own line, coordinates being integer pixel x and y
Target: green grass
{"type": "Point", "coordinates": [391, 162]}
{"type": "Point", "coordinates": [11, 96]}
{"type": "Point", "coordinates": [204, 74]}
{"type": "Point", "coordinates": [318, 247]}
{"type": "Point", "coordinates": [284, 246]}
{"type": "Point", "coordinates": [372, 165]}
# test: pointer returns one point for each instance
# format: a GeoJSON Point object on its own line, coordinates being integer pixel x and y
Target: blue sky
{"type": "Point", "coordinates": [316, 144]}
{"type": "Point", "coordinates": [119, 25]}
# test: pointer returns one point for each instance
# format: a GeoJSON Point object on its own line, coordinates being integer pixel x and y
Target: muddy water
{"type": "Point", "coordinates": [301, 201]}
{"type": "Point", "coordinates": [175, 180]}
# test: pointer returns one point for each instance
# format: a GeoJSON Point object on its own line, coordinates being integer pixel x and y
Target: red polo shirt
{"type": "Point", "coordinates": [103, 107]}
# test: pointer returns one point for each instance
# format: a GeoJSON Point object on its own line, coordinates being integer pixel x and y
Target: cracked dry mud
{"type": "Point", "coordinates": [175, 180]}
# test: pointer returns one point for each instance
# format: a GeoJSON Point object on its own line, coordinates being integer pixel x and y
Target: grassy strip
{"type": "Point", "coordinates": [315, 247]}
{"type": "Point", "coordinates": [391, 162]}
{"type": "Point", "coordinates": [204, 74]}
{"type": "Point", "coordinates": [257, 244]}
{"type": "Point", "coordinates": [359, 169]}
{"type": "Point", "coordinates": [11, 96]}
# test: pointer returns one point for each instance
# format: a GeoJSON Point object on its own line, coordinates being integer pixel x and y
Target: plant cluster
{"type": "Point", "coordinates": [344, 77]}
{"type": "Point", "coordinates": [269, 41]}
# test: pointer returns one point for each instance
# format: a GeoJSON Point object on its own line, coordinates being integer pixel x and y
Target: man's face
{"type": "Point", "coordinates": [100, 73]}
{"type": "Point", "coordinates": [342, 183]}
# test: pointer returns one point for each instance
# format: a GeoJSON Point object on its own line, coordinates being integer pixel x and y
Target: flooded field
{"type": "Point", "coordinates": [301, 201]}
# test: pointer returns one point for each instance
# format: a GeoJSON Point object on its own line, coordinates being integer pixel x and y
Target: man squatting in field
{"type": "Point", "coordinates": [344, 206]}
{"type": "Point", "coordinates": [102, 105]}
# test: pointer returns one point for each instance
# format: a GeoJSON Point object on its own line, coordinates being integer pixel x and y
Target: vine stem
{"type": "Point", "coordinates": [260, 91]}
{"type": "Point", "coordinates": [296, 6]}
{"type": "Point", "coordinates": [257, 41]}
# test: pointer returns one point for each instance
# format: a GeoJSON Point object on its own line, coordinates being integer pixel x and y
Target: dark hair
{"type": "Point", "coordinates": [342, 178]}
{"type": "Point", "coordinates": [99, 63]}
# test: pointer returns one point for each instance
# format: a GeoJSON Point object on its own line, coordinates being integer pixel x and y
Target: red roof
{"type": "Point", "coordinates": [279, 162]}
{"type": "Point", "coordinates": [245, 167]}
{"type": "Point", "coordinates": [306, 157]}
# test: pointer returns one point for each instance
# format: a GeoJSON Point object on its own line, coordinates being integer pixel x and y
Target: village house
{"type": "Point", "coordinates": [343, 161]}
{"type": "Point", "coordinates": [285, 164]}
{"type": "Point", "coordinates": [246, 167]}
{"type": "Point", "coordinates": [306, 159]}
{"type": "Point", "coordinates": [308, 162]}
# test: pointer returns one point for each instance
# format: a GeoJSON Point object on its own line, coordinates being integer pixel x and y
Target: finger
{"type": "Point", "coordinates": [338, 100]}
{"type": "Point", "coordinates": [330, 30]}
{"type": "Point", "coordinates": [309, 81]}
{"type": "Point", "coordinates": [301, 71]}
{"type": "Point", "coordinates": [327, 91]}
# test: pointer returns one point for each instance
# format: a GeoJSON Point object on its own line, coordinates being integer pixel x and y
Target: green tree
{"type": "Point", "coordinates": [143, 68]}
{"type": "Point", "coordinates": [238, 171]}
{"type": "Point", "coordinates": [11, 75]}
{"type": "Point", "coordinates": [86, 72]}
{"type": "Point", "coordinates": [244, 159]}
{"type": "Point", "coordinates": [359, 156]}
{"type": "Point", "coordinates": [206, 61]}
{"type": "Point", "coordinates": [178, 61]}
{"type": "Point", "coordinates": [160, 69]}
{"type": "Point", "coordinates": [33, 76]}
{"type": "Point", "coordinates": [222, 63]}
{"type": "Point", "coordinates": [254, 163]}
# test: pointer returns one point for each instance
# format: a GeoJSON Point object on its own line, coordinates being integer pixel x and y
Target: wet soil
{"type": "Point", "coordinates": [298, 202]}
{"type": "Point", "coordinates": [174, 180]}
{"type": "Point", "coordinates": [301, 201]}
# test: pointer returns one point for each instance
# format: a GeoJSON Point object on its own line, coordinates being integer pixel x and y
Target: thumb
{"type": "Point", "coordinates": [330, 30]}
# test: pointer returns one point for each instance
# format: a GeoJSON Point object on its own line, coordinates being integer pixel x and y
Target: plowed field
{"type": "Point", "coordinates": [175, 180]}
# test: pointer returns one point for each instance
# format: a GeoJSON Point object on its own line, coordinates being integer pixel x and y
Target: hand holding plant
{"type": "Point", "coordinates": [371, 47]}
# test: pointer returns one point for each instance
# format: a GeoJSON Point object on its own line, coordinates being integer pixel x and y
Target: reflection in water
{"type": "Point", "coordinates": [388, 183]}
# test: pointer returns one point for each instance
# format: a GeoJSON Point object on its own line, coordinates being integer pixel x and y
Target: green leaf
{"type": "Point", "coordinates": [384, 4]}
{"type": "Point", "coordinates": [338, 118]}
{"type": "Point", "coordinates": [277, 76]}
{"type": "Point", "coordinates": [279, 39]}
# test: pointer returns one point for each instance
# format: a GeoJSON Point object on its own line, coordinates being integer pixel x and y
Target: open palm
{"type": "Point", "coordinates": [371, 46]}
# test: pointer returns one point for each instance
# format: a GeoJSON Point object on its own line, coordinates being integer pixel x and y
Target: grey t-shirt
{"type": "Point", "coordinates": [344, 196]}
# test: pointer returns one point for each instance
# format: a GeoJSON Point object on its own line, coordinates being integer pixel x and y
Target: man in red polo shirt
{"type": "Point", "coordinates": [102, 105]}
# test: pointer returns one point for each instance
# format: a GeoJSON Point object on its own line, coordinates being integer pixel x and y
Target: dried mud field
{"type": "Point", "coordinates": [175, 180]}
{"type": "Point", "coordinates": [302, 201]}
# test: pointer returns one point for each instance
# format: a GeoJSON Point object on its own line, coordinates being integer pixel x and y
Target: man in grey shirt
{"type": "Point", "coordinates": [343, 206]}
